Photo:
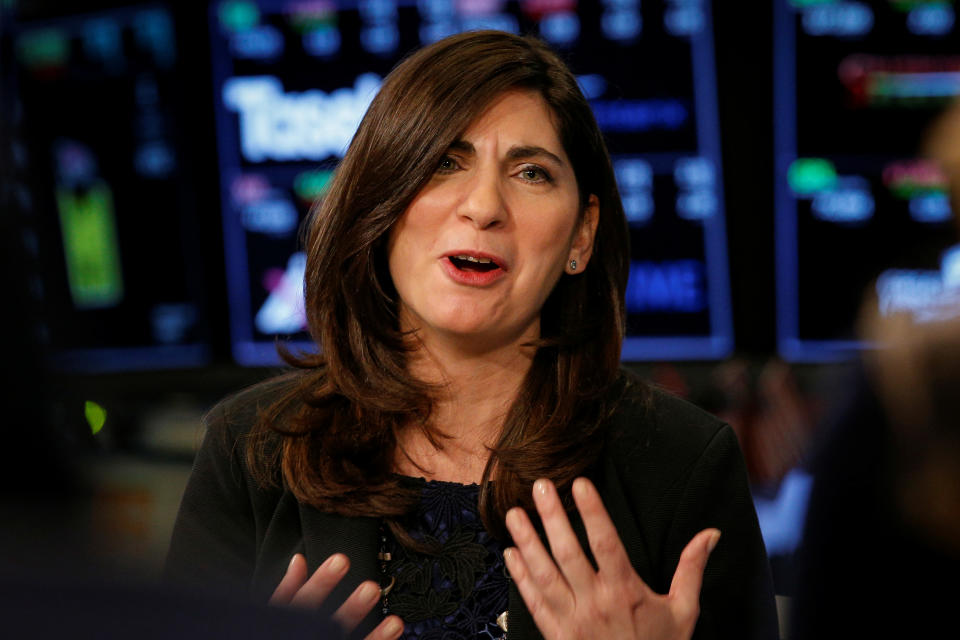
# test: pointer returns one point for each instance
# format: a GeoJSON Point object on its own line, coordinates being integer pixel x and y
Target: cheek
{"type": "Point", "coordinates": [549, 250]}
{"type": "Point", "coordinates": [408, 235]}
{"type": "Point", "coordinates": [417, 227]}
{"type": "Point", "coordinates": [552, 235]}
{"type": "Point", "coordinates": [401, 252]}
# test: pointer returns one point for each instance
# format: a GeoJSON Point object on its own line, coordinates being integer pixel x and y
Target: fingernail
{"type": "Point", "coordinates": [336, 563]}
{"type": "Point", "coordinates": [393, 627]}
{"type": "Point", "coordinates": [369, 591]}
{"type": "Point", "coordinates": [541, 487]}
{"type": "Point", "coordinates": [712, 542]}
{"type": "Point", "coordinates": [513, 519]}
{"type": "Point", "coordinates": [292, 560]}
{"type": "Point", "coordinates": [580, 486]}
{"type": "Point", "coordinates": [508, 554]}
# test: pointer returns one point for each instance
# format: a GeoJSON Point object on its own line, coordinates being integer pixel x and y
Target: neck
{"type": "Point", "coordinates": [474, 394]}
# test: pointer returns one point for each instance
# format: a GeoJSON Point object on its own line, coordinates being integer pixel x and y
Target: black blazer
{"type": "Point", "coordinates": [668, 470]}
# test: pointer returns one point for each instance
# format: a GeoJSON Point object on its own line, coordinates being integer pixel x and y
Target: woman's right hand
{"type": "Point", "coordinates": [298, 591]}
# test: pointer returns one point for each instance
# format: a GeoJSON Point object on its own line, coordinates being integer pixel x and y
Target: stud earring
{"type": "Point", "coordinates": [573, 265]}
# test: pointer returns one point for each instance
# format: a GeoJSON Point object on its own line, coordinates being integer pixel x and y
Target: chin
{"type": "Point", "coordinates": [477, 326]}
{"type": "Point", "coordinates": [466, 328]}
{"type": "Point", "coordinates": [482, 333]}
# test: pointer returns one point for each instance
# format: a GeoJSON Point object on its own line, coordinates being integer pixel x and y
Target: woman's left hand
{"type": "Point", "coordinates": [569, 599]}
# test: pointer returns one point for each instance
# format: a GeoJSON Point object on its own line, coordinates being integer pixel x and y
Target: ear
{"type": "Point", "coordinates": [582, 246]}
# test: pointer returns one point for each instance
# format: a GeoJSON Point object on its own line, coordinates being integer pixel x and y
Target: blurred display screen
{"type": "Point", "coordinates": [292, 80]}
{"type": "Point", "coordinates": [858, 210]}
{"type": "Point", "coordinates": [110, 202]}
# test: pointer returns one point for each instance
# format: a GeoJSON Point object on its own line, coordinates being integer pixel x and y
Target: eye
{"type": "Point", "coordinates": [447, 165]}
{"type": "Point", "coordinates": [536, 174]}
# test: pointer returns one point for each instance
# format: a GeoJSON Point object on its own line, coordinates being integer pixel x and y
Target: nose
{"type": "Point", "coordinates": [482, 203]}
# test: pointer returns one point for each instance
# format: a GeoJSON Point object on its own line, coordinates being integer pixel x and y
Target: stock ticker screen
{"type": "Point", "coordinates": [293, 79]}
{"type": "Point", "coordinates": [108, 197]}
{"type": "Point", "coordinates": [859, 211]}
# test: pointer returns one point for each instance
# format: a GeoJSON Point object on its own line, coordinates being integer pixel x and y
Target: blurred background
{"type": "Point", "coordinates": [158, 158]}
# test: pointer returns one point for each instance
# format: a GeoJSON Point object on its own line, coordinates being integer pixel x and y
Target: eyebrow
{"type": "Point", "coordinates": [515, 153]}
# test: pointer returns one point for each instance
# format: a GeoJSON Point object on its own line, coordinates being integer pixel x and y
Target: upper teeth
{"type": "Point", "coordinates": [472, 259]}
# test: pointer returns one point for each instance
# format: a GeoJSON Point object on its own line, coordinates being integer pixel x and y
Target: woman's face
{"type": "Point", "coordinates": [481, 246]}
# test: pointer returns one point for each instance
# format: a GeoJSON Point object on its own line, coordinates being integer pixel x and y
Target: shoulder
{"type": "Point", "coordinates": [238, 458]}
{"type": "Point", "coordinates": [244, 419]}
{"type": "Point", "coordinates": [238, 413]}
{"type": "Point", "coordinates": [652, 428]}
{"type": "Point", "coordinates": [646, 413]}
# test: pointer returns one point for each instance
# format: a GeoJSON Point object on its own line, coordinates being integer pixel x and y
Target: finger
{"type": "Point", "coordinates": [390, 628]}
{"type": "Point", "coordinates": [294, 578]}
{"type": "Point", "coordinates": [539, 565]}
{"type": "Point", "coordinates": [688, 578]}
{"type": "Point", "coordinates": [564, 545]}
{"type": "Point", "coordinates": [608, 551]}
{"type": "Point", "coordinates": [531, 593]}
{"type": "Point", "coordinates": [315, 590]}
{"type": "Point", "coordinates": [358, 605]}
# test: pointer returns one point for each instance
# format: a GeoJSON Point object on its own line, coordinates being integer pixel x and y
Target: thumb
{"type": "Point", "coordinates": [685, 587]}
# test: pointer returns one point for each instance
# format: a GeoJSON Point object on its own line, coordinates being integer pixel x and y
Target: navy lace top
{"type": "Point", "coordinates": [459, 592]}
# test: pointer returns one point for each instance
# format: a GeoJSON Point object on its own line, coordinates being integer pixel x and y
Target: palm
{"type": "Point", "coordinates": [569, 599]}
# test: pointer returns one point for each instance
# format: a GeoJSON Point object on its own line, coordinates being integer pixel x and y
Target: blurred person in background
{"type": "Point", "coordinates": [465, 279]}
{"type": "Point", "coordinates": [881, 544]}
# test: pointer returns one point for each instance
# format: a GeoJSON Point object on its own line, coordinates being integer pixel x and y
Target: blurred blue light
{"type": "Point", "coordinates": [495, 21]}
{"type": "Point", "coordinates": [436, 10]}
{"type": "Point", "coordinates": [684, 21]}
{"type": "Point", "coordinates": [153, 29]}
{"type": "Point", "coordinates": [431, 32]}
{"type": "Point", "coordinates": [380, 39]}
{"type": "Point", "coordinates": [950, 267]}
{"type": "Point", "coordinates": [851, 202]}
{"type": "Point", "coordinates": [782, 518]}
{"type": "Point", "coordinates": [561, 28]}
{"type": "Point", "coordinates": [670, 286]}
{"type": "Point", "coordinates": [101, 40]}
{"type": "Point", "coordinates": [694, 173]}
{"type": "Point", "coordinates": [838, 19]}
{"type": "Point", "coordinates": [908, 290]}
{"type": "Point", "coordinates": [931, 20]}
{"type": "Point", "coordinates": [637, 206]}
{"type": "Point", "coordinates": [154, 160]}
{"type": "Point", "coordinates": [633, 173]}
{"type": "Point", "coordinates": [262, 42]}
{"type": "Point", "coordinates": [274, 216]}
{"type": "Point", "coordinates": [172, 322]}
{"type": "Point", "coordinates": [639, 115]}
{"type": "Point", "coordinates": [593, 85]}
{"type": "Point", "coordinates": [931, 207]}
{"type": "Point", "coordinates": [621, 24]}
{"type": "Point", "coordinates": [621, 5]}
{"type": "Point", "coordinates": [322, 42]}
{"type": "Point", "coordinates": [378, 11]}
{"type": "Point", "coordinates": [697, 205]}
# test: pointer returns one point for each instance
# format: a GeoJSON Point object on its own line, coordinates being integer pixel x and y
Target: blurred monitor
{"type": "Point", "coordinates": [108, 199]}
{"type": "Point", "coordinates": [293, 78]}
{"type": "Point", "coordinates": [858, 212]}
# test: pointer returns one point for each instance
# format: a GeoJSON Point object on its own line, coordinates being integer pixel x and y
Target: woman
{"type": "Point", "coordinates": [466, 277]}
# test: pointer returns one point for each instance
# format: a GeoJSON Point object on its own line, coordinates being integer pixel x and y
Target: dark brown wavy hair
{"type": "Point", "coordinates": [333, 434]}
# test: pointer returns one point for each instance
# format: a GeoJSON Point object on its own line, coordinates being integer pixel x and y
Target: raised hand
{"type": "Point", "coordinates": [569, 599]}
{"type": "Point", "coordinates": [298, 591]}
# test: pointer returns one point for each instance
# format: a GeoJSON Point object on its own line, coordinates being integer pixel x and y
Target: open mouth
{"type": "Point", "coordinates": [470, 263]}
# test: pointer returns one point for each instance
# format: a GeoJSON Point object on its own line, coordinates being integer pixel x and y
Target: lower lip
{"type": "Point", "coordinates": [472, 278]}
